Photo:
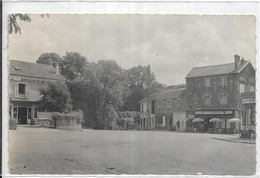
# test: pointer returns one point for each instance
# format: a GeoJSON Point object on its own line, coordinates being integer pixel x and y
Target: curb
{"type": "Point", "coordinates": [235, 141]}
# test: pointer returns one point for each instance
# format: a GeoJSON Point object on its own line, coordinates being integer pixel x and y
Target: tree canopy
{"type": "Point", "coordinates": [55, 98]}
{"type": "Point", "coordinates": [49, 58]}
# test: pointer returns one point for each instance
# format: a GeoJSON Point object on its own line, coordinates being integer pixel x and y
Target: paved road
{"type": "Point", "coordinates": [50, 151]}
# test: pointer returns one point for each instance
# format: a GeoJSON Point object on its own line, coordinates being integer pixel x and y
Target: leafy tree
{"type": "Point", "coordinates": [49, 58]}
{"type": "Point", "coordinates": [55, 98]}
{"type": "Point", "coordinates": [73, 65]}
{"type": "Point", "coordinates": [109, 116]}
{"type": "Point", "coordinates": [12, 21]}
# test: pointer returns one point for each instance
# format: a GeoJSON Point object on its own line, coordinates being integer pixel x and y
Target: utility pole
{"type": "Point", "coordinates": [149, 93]}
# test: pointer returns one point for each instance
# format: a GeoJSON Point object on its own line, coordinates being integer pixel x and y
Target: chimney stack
{"type": "Point", "coordinates": [243, 61]}
{"type": "Point", "coordinates": [237, 62]}
{"type": "Point", "coordinates": [57, 67]}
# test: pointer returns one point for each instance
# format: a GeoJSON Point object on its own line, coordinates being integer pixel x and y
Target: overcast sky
{"type": "Point", "coordinates": [171, 44]}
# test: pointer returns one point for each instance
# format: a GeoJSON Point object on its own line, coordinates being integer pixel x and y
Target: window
{"type": "Point", "coordinates": [206, 99]}
{"type": "Point", "coordinates": [171, 122]}
{"type": "Point", "coordinates": [159, 104]}
{"type": "Point", "coordinates": [169, 104]}
{"type": "Point", "coordinates": [242, 88]}
{"type": "Point", "coordinates": [163, 123]}
{"type": "Point", "coordinates": [22, 89]}
{"type": "Point", "coordinates": [207, 82]}
{"type": "Point", "coordinates": [178, 104]}
{"type": "Point", "coordinates": [159, 121]}
{"type": "Point", "coordinates": [222, 99]}
{"type": "Point", "coordinates": [223, 82]}
{"type": "Point", "coordinates": [29, 113]}
{"type": "Point", "coordinates": [251, 88]}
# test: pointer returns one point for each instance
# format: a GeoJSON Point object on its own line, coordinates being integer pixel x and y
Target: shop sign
{"type": "Point", "coordinates": [213, 112]}
{"type": "Point", "coordinates": [33, 80]}
{"type": "Point", "coordinates": [190, 116]}
{"type": "Point", "coordinates": [248, 100]}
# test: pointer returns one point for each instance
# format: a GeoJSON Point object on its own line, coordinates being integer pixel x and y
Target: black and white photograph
{"type": "Point", "coordinates": [131, 94]}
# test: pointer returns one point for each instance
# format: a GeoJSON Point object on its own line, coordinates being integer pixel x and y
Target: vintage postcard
{"type": "Point", "coordinates": [94, 94]}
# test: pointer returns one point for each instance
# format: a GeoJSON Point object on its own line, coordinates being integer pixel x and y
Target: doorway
{"type": "Point", "coordinates": [22, 115]}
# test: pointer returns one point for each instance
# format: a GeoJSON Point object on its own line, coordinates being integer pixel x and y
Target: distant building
{"type": "Point", "coordinates": [170, 110]}
{"type": "Point", "coordinates": [164, 111]}
{"type": "Point", "coordinates": [147, 118]}
{"type": "Point", "coordinates": [25, 80]}
{"type": "Point", "coordinates": [222, 91]}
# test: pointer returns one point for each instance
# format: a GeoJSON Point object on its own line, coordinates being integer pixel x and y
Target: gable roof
{"type": "Point", "coordinates": [152, 97]}
{"type": "Point", "coordinates": [29, 69]}
{"type": "Point", "coordinates": [215, 70]}
{"type": "Point", "coordinates": [170, 94]}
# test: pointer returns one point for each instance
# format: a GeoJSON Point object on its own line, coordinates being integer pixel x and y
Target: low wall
{"type": "Point", "coordinates": [68, 121]}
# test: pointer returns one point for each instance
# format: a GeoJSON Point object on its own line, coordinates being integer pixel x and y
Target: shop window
{"type": "Point", "coordinates": [29, 113]}
{"type": "Point", "coordinates": [171, 122]}
{"type": "Point", "coordinates": [159, 120]}
{"type": "Point", "coordinates": [22, 89]}
{"type": "Point", "coordinates": [163, 122]}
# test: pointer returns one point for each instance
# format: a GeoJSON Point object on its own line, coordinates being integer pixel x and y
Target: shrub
{"type": "Point", "coordinates": [62, 119]}
{"type": "Point", "coordinates": [12, 124]}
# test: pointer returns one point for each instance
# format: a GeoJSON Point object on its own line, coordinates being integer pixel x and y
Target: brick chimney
{"type": "Point", "coordinates": [57, 67]}
{"type": "Point", "coordinates": [243, 61]}
{"type": "Point", "coordinates": [237, 62]}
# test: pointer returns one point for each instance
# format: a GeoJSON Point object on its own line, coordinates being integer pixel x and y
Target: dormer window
{"type": "Point", "coordinates": [17, 68]}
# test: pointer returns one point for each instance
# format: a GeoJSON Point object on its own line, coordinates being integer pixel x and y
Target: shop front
{"type": "Point", "coordinates": [212, 121]}
{"type": "Point", "coordinates": [23, 112]}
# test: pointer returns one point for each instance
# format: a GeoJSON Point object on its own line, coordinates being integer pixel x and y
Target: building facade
{"type": "Point", "coordinates": [222, 91]}
{"type": "Point", "coordinates": [164, 111]}
{"type": "Point", "coordinates": [25, 81]}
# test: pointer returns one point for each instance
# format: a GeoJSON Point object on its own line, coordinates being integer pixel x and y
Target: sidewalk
{"type": "Point", "coordinates": [233, 138]}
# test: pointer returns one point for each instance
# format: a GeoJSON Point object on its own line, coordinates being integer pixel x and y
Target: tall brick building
{"type": "Point", "coordinates": [222, 91]}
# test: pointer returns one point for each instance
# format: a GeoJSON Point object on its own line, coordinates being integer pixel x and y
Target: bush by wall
{"type": "Point", "coordinates": [12, 124]}
{"type": "Point", "coordinates": [67, 121]}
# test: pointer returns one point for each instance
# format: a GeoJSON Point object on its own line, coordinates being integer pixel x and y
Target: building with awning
{"type": "Point", "coordinates": [222, 91]}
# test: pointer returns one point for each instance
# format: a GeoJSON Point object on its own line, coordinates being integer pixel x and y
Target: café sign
{"type": "Point", "coordinates": [190, 116]}
{"type": "Point", "coordinates": [213, 112]}
{"type": "Point", "coordinates": [248, 100]}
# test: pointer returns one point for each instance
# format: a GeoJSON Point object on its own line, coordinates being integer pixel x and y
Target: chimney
{"type": "Point", "coordinates": [57, 67]}
{"type": "Point", "coordinates": [243, 61]}
{"type": "Point", "coordinates": [237, 62]}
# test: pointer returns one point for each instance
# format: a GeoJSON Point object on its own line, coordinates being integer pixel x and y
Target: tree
{"type": "Point", "coordinates": [55, 98]}
{"type": "Point", "coordinates": [49, 59]}
{"type": "Point", "coordinates": [12, 21]}
{"type": "Point", "coordinates": [73, 65]}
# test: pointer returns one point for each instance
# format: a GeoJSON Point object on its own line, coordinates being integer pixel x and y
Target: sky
{"type": "Point", "coordinates": [171, 44]}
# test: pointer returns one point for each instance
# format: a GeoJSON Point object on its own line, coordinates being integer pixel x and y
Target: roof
{"type": "Point", "coordinates": [33, 70]}
{"type": "Point", "coordinates": [171, 94]}
{"type": "Point", "coordinates": [152, 97]}
{"type": "Point", "coordinates": [215, 70]}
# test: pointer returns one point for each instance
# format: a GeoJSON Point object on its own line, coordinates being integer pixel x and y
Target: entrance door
{"type": "Point", "coordinates": [22, 115]}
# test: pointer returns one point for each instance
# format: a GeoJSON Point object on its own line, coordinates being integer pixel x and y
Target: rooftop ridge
{"type": "Point", "coordinates": [30, 62]}
{"type": "Point", "coordinates": [213, 65]}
